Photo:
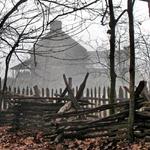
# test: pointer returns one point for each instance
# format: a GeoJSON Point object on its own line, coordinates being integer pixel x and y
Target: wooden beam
{"type": "Point", "coordinates": [82, 87]}
{"type": "Point", "coordinates": [70, 94]}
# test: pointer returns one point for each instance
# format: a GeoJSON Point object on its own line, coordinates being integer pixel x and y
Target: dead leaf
{"type": "Point", "coordinates": [28, 141]}
{"type": "Point", "coordinates": [135, 147]}
{"type": "Point", "coordinates": [39, 137]}
{"type": "Point", "coordinates": [59, 147]}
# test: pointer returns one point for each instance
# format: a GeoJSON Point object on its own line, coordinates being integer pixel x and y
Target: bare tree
{"type": "Point", "coordinates": [24, 23]}
{"type": "Point", "coordinates": [131, 69]}
{"type": "Point", "coordinates": [112, 41]}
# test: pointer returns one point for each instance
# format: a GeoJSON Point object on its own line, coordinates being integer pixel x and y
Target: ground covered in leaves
{"type": "Point", "coordinates": [20, 141]}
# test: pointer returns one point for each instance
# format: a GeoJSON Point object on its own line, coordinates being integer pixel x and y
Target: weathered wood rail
{"type": "Point", "coordinates": [97, 96]}
{"type": "Point", "coordinates": [84, 117]}
{"type": "Point", "coordinates": [34, 115]}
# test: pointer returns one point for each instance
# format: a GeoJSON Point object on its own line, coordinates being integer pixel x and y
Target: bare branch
{"type": "Point", "coordinates": [11, 12]}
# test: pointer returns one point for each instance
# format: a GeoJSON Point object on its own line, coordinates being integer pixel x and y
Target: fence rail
{"type": "Point", "coordinates": [92, 97]}
{"type": "Point", "coordinates": [41, 111]}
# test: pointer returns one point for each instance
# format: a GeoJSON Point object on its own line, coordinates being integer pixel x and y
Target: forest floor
{"type": "Point", "coordinates": [20, 141]}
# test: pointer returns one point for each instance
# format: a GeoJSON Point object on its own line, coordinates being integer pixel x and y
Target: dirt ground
{"type": "Point", "coordinates": [20, 141]}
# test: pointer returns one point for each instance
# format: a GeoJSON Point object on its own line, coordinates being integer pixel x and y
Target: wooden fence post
{"type": "Point", "coordinates": [60, 91]}
{"type": "Point", "coordinates": [92, 97]}
{"type": "Point", "coordinates": [0, 96]}
{"type": "Point", "coordinates": [23, 91]}
{"type": "Point", "coordinates": [31, 92]}
{"type": "Point", "coordinates": [9, 89]}
{"type": "Point", "coordinates": [70, 82]}
{"type": "Point", "coordinates": [42, 92]}
{"type": "Point", "coordinates": [18, 90]}
{"type": "Point", "coordinates": [15, 90]}
{"type": "Point", "coordinates": [120, 95]}
{"type": "Point", "coordinates": [99, 101]}
{"type": "Point", "coordinates": [108, 92]}
{"type": "Point", "coordinates": [95, 100]}
{"type": "Point", "coordinates": [36, 91]}
{"type": "Point", "coordinates": [0, 83]}
{"type": "Point", "coordinates": [52, 92]}
{"type": "Point", "coordinates": [108, 95]}
{"type": "Point", "coordinates": [104, 101]}
{"type": "Point", "coordinates": [76, 90]}
{"type": "Point", "coordinates": [87, 95]}
{"type": "Point", "coordinates": [47, 92]}
{"type": "Point", "coordinates": [56, 93]}
{"type": "Point", "coordinates": [126, 93]}
{"type": "Point", "coordinates": [27, 90]}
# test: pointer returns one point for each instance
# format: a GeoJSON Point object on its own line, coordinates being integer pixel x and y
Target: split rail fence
{"type": "Point", "coordinates": [96, 96]}
{"type": "Point", "coordinates": [36, 104]}
{"type": "Point", "coordinates": [34, 114]}
{"type": "Point", "coordinates": [41, 110]}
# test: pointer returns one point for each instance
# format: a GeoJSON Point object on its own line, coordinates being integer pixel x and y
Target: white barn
{"type": "Point", "coordinates": [58, 53]}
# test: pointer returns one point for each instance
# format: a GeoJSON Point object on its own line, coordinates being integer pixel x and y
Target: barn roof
{"type": "Point", "coordinates": [58, 46]}
{"type": "Point", "coordinates": [23, 65]}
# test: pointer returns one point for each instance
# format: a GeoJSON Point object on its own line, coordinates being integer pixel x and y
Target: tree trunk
{"type": "Point", "coordinates": [131, 69]}
{"type": "Point", "coordinates": [112, 41]}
